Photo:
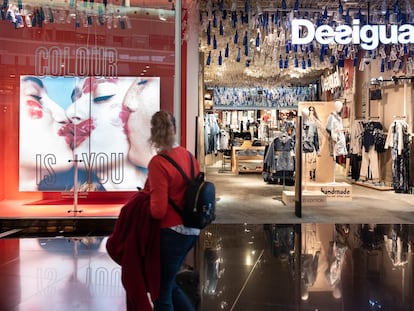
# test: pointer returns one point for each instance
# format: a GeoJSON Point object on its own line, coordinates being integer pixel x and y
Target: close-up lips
{"type": "Point", "coordinates": [76, 134]}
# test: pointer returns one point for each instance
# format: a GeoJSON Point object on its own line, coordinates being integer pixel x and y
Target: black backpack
{"type": "Point", "coordinates": [199, 208]}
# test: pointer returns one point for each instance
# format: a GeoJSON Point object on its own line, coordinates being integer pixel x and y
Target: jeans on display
{"type": "Point", "coordinates": [174, 248]}
{"type": "Point", "coordinates": [355, 165]}
{"type": "Point", "coordinates": [369, 159]}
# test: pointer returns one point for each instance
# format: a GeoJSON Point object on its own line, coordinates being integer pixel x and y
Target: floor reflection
{"type": "Point", "coordinates": [308, 267]}
{"type": "Point", "coordinates": [241, 267]}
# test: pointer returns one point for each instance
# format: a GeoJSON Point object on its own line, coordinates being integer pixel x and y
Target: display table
{"type": "Point", "coordinates": [247, 159]}
{"type": "Point", "coordinates": [309, 198]}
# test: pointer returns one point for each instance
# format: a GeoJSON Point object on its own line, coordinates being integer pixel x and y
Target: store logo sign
{"type": "Point", "coordinates": [367, 36]}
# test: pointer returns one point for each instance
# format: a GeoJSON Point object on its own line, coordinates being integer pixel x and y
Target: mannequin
{"type": "Point", "coordinates": [334, 127]}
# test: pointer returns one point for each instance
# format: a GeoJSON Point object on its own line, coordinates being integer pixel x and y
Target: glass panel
{"type": "Point", "coordinates": [79, 82]}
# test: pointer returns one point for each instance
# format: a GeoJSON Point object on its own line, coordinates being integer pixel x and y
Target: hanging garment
{"type": "Point", "coordinates": [357, 130]}
{"type": "Point", "coordinates": [283, 148]}
{"type": "Point", "coordinates": [211, 134]}
{"type": "Point", "coordinates": [279, 163]}
{"type": "Point", "coordinates": [369, 164]}
{"type": "Point", "coordinates": [224, 141]}
{"type": "Point", "coordinates": [263, 131]}
{"type": "Point", "coordinates": [206, 135]}
{"type": "Point", "coordinates": [345, 112]}
{"type": "Point", "coordinates": [398, 140]}
{"type": "Point", "coordinates": [372, 135]}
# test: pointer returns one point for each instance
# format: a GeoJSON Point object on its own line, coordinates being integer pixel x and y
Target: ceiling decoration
{"type": "Point", "coordinates": [83, 13]}
{"type": "Point", "coordinates": [245, 42]}
{"type": "Point", "coordinates": [248, 42]}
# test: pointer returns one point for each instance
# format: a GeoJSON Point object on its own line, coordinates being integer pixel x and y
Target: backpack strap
{"type": "Point", "coordinates": [167, 157]}
{"type": "Point", "coordinates": [175, 164]}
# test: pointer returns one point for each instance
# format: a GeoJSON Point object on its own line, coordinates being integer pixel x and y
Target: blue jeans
{"type": "Point", "coordinates": [174, 248]}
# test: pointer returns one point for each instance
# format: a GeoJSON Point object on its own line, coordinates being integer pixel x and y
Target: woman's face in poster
{"type": "Point", "coordinates": [142, 101]}
{"type": "Point", "coordinates": [41, 119]}
{"type": "Point", "coordinates": [311, 110]}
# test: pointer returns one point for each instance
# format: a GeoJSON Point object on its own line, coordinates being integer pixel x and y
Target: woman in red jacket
{"type": "Point", "coordinates": [164, 181]}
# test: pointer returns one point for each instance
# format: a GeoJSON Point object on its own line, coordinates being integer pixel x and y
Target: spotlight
{"type": "Point", "coordinates": [161, 15]}
{"type": "Point", "coordinates": [384, 7]}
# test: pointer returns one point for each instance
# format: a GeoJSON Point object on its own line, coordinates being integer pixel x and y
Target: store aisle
{"type": "Point", "coordinates": [246, 198]}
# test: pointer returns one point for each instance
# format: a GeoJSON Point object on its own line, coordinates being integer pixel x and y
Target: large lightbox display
{"type": "Point", "coordinates": [92, 130]}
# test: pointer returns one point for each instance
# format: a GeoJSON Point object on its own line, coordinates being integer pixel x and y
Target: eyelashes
{"type": "Point", "coordinates": [100, 99]}
{"type": "Point", "coordinates": [38, 98]}
{"type": "Point", "coordinates": [76, 94]}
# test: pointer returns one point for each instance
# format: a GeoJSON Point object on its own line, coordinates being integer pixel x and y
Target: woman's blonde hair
{"type": "Point", "coordinates": [163, 130]}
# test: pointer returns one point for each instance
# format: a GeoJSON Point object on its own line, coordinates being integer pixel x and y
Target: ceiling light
{"type": "Point", "coordinates": [384, 7]}
{"type": "Point", "coordinates": [161, 15]}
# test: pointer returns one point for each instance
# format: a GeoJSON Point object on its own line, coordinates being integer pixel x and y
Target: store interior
{"type": "Point", "coordinates": [260, 90]}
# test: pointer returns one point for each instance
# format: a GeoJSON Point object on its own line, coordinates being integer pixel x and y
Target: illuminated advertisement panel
{"type": "Point", "coordinates": [93, 130]}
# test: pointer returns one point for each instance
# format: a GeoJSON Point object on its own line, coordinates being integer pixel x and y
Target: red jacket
{"type": "Point", "coordinates": [164, 181]}
{"type": "Point", "coordinates": [135, 246]}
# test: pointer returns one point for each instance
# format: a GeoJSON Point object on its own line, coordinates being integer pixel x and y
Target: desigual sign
{"type": "Point", "coordinates": [367, 36]}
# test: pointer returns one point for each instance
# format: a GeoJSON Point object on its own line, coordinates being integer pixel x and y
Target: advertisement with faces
{"type": "Point", "coordinates": [91, 132]}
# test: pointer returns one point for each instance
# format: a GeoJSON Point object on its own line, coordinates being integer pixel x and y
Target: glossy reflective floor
{"type": "Point", "coordinates": [242, 267]}
{"type": "Point", "coordinates": [258, 256]}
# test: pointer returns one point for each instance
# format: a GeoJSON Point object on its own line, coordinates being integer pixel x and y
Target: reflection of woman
{"type": "Point", "coordinates": [43, 152]}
